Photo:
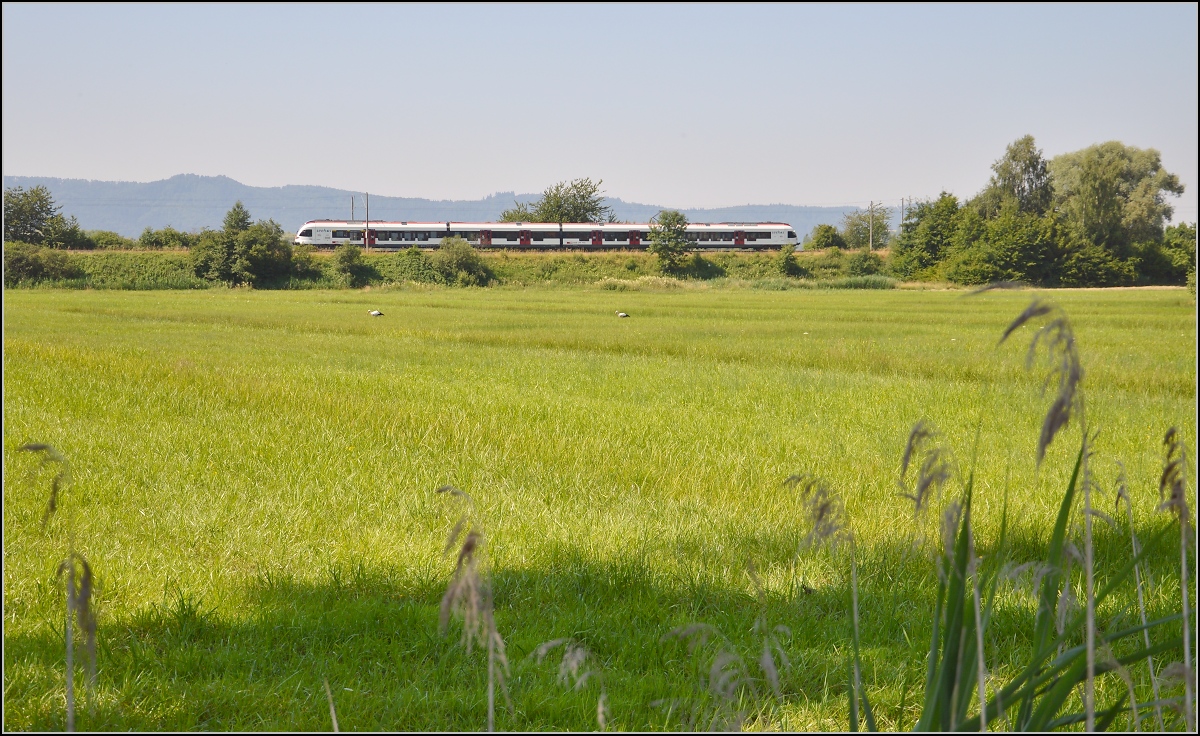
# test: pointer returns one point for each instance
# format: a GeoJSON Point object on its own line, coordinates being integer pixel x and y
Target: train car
{"type": "Point", "coordinates": [380, 235]}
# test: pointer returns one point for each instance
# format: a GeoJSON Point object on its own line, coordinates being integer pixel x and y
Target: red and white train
{"type": "Point", "coordinates": [539, 235]}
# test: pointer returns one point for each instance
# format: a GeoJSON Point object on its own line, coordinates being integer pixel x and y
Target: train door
{"type": "Point", "coordinates": [635, 238]}
{"type": "Point", "coordinates": [526, 237]}
{"type": "Point", "coordinates": [598, 238]}
{"type": "Point", "coordinates": [370, 238]}
{"type": "Point", "coordinates": [485, 238]}
{"type": "Point", "coordinates": [739, 238]}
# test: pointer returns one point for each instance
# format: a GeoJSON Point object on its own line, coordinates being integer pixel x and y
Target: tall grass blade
{"type": "Point", "coordinates": [332, 710]}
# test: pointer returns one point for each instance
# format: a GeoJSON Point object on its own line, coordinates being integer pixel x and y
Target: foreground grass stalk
{"type": "Point", "coordinates": [332, 710]}
{"type": "Point", "coordinates": [1189, 697]}
{"type": "Point", "coordinates": [1123, 495]}
{"type": "Point", "coordinates": [981, 675]}
{"type": "Point", "coordinates": [70, 652]}
{"type": "Point", "coordinates": [1089, 698]}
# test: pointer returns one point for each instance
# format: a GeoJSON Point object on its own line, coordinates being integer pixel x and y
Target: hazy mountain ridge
{"type": "Point", "coordinates": [191, 202]}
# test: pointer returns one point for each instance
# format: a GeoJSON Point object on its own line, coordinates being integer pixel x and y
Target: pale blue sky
{"type": "Point", "coordinates": [677, 105]}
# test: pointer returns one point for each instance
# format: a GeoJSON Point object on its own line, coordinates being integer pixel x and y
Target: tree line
{"type": "Point", "coordinates": [1094, 217]}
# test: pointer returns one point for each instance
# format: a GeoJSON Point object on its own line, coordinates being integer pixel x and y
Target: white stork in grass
{"type": "Point", "coordinates": [621, 314]}
{"type": "Point", "coordinates": [375, 313]}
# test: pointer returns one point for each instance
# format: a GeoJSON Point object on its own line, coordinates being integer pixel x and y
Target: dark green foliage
{"type": "Point", "coordinates": [27, 214]}
{"type": "Point", "coordinates": [825, 236]}
{"type": "Point", "coordinates": [1020, 179]}
{"type": "Point", "coordinates": [30, 263]}
{"type": "Point", "coordinates": [460, 264]}
{"type": "Point", "coordinates": [1093, 265]}
{"type": "Point", "coordinates": [261, 255]}
{"type": "Point", "coordinates": [786, 263]}
{"type": "Point", "coordinates": [242, 253]}
{"type": "Point", "coordinates": [1179, 249]}
{"type": "Point", "coordinates": [347, 265]}
{"type": "Point", "coordinates": [167, 238]}
{"type": "Point", "coordinates": [237, 218]}
{"type": "Point", "coordinates": [864, 263]}
{"type": "Point", "coordinates": [668, 239]}
{"type": "Point", "coordinates": [925, 236]}
{"type": "Point", "coordinates": [409, 265]}
{"type": "Point", "coordinates": [210, 256]}
{"type": "Point", "coordinates": [108, 240]}
{"type": "Point", "coordinates": [304, 265]}
{"type": "Point", "coordinates": [1012, 246]}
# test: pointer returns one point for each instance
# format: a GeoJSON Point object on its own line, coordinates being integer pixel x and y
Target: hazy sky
{"type": "Point", "coordinates": [694, 106]}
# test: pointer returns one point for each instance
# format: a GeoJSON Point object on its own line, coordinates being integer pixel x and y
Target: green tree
{"type": "Point", "coordinates": [864, 228]}
{"type": "Point", "coordinates": [27, 214]}
{"type": "Point", "coordinates": [348, 263]}
{"type": "Point", "coordinates": [237, 219]}
{"type": "Point", "coordinates": [925, 235]}
{"type": "Point", "coordinates": [260, 254]}
{"type": "Point", "coordinates": [826, 236]}
{"type": "Point", "coordinates": [1114, 195]}
{"type": "Point", "coordinates": [211, 256]}
{"type": "Point", "coordinates": [1021, 177]}
{"type": "Point", "coordinates": [31, 216]}
{"type": "Point", "coordinates": [668, 239]}
{"type": "Point", "coordinates": [1013, 246]}
{"type": "Point", "coordinates": [580, 200]}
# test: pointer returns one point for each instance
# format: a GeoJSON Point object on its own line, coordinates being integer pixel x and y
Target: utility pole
{"type": "Point", "coordinates": [870, 225]}
{"type": "Point", "coordinates": [351, 208]}
{"type": "Point", "coordinates": [367, 229]}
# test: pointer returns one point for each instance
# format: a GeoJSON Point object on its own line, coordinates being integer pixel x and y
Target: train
{"type": "Point", "coordinates": [377, 235]}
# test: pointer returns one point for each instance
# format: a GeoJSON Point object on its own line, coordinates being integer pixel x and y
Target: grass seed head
{"type": "Point", "coordinates": [825, 512]}
{"type": "Point", "coordinates": [1066, 371]}
{"type": "Point", "coordinates": [61, 478]}
{"type": "Point", "coordinates": [935, 468]}
{"type": "Point", "coordinates": [1172, 485]}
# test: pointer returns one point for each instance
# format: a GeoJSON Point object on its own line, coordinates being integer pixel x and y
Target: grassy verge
{"type": "Point", "coordinates": [254, 475]}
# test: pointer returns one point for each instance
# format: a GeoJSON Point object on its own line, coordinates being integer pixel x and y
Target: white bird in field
{"type": "Point", "coordinates": [375, 313]}
{"type": "Point", "coordinates": [622, 314]}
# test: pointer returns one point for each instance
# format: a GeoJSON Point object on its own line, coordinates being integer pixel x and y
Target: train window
{"type": "Point", "coordinates": [423, 236]}
{"type": "Point", "coordinates": [693, 236]}
{"type": "Point", "coordinates": [339, 234]}
{"type": "Point", "coordinates": [610, 236]}
{"type": "Point", "coordinates": [306, 233]}
{"type": "Point", "coordinates": [791, 233]}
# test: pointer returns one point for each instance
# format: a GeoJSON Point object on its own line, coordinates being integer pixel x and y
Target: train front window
{"type": "Point", "coordinates": [306, 233]}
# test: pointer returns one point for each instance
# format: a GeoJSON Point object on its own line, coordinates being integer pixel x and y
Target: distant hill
{"type": "Point", "coordinates": [190, 202]}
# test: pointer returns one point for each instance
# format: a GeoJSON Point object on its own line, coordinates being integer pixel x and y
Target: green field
{"type": "Point", "coordinates": [253, 479]}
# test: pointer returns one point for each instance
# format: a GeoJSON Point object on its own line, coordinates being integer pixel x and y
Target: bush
{"type": "Point", "coordinates": [824, 237]}
{"type": "Point", "coordinates": [261, 255]}
{"type": "Point", "coordinates": [410, 264]}
{"type": "Point", "coordinates": [210, 256]}
{"type": "Point", "coordinates": [108, 240]}
{"type": "Point", "coordinates": [25, 263]}
{"type": "Point", "coordinates": [786, 263]}
{"type": "Point", "coordinates": [864, 263]}
{"type": "Point", "coordinates": [166, 239]}
{"type": "Point", "coordinates": [460, 264]}
{"type": "Point", "coordinates": [1094, 265]}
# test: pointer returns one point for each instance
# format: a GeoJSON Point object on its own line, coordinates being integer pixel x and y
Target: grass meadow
{"type": "Point", "coordinates": [253, 477]}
